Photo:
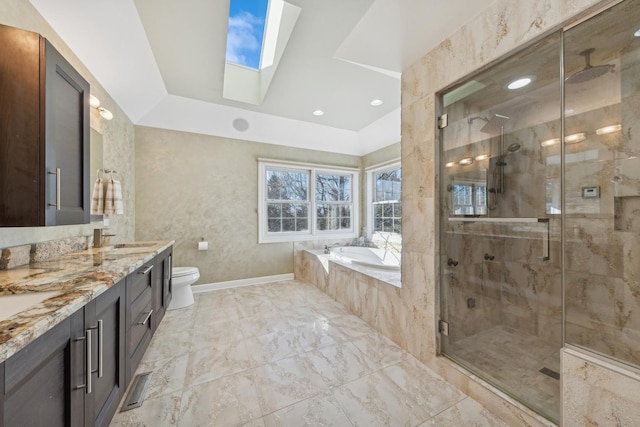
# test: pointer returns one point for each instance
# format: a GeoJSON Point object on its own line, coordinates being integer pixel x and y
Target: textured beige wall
{"type": "Point", "coordinates": [118, 138]}
{"type": "Point", "coordinates": [191, 186]}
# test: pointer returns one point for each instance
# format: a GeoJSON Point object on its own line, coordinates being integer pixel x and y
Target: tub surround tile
{"type": "Point", "coordinates": [77, 278]}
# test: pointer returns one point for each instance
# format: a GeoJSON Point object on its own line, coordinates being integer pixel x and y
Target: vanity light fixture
{"type": "Point", "coordinates": [466, 161]}
{"type": "Point", "coordinates": [574, 138]}
{"type": "Point", "coordinates": [376, 102]}
{"type": "Point", "coordinates": [550, 142]}
{"type": "Point", "coordinates": [104, 113]}
{"type": "Point", "coordinates": [449, 164]}
{"type": "Point", "coordinates": [520, 82]}
{"type": "Point", "coordinates": [93, 101]}
{"type": "Point", "coordinates": [318, 113]}
{"type": "Point", "coordinates": [608, 129]}
{"type": "Point", "coordinates": [482, 157]}
{"type": "Point", "coordinates": [637, 33]}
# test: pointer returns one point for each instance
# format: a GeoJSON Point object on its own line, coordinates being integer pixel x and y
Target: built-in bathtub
{"type": "Point", "coordinates": [370, 257]}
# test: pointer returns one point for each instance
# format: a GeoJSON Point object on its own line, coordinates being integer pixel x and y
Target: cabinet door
{"type": "Point", "coordinates": [67, 142]}
{"type": "Point", "coordinates": [44, 383]}
{"type": "Point", "coordinates": [105, 318]}
{"type": "Point", "coordinates": [161, 287]}
{"type": "Point", "coordinates": [21, 187]}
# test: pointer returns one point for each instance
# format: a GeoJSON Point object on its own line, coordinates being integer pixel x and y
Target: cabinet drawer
{"type": "Point", "coordinates": [140, 321]}
{"type": "Point", "coordinates": [141, 281]}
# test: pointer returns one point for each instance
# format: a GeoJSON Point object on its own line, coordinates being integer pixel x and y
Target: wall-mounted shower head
{"type": "Point", "coordinates": [589, 72]}
{"type": "Point", "coordinates": [494, 124]}
{"type": "Point", "coordinates": [512, 148]}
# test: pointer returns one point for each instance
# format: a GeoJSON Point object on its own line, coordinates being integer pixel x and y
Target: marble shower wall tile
{"type": "Point", "coordinates": [597, 392]}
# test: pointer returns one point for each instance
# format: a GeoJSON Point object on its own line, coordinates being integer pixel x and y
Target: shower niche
{"type": "Point", "coordinates": [539, 193]}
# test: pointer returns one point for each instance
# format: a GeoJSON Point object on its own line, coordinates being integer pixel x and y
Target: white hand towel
{"type": "Point", "coordinates": [113, 201]}
{"type": "Point", "coordinates": [97, 198]}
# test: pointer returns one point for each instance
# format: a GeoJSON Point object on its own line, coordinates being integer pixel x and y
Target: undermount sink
{"type": "Point", "coordinates": [14, 304]}
{"type": "Point", "coordinates": [133, 245]}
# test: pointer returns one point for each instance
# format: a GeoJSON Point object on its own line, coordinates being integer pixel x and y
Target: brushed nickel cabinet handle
{"type": "Point", "coordinates": [148, 269]}
{"type": "Point", "coordinates": [100, 346]}
{"type": "Point", "coordinates": [146, 318]}
{"type": "Point", "coordinates": [57, 203]}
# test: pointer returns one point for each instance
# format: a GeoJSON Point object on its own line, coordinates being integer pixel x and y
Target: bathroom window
{"type": "Point", "coordinates": [469, 198]}
{"type": "Point", "coordinates": [385, 204]}
{"type": "Point", "coordinates": [306, 202]}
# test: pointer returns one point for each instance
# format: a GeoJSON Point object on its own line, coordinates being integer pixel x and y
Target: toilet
{"type": "Point", "coordinates": [181, 280]}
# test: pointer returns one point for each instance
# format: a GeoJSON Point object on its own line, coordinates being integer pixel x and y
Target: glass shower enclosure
{"type": "Point", "coordinates": [540, 208]}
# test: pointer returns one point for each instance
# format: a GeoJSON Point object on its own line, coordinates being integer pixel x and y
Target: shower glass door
{"type": "Point", "coordinates": [500, 181]}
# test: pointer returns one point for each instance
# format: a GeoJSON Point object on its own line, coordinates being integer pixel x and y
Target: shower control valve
{"type": "Point", "coordinates": [489, 257]}
{"type": "Point", "coordinates": [452, 262]}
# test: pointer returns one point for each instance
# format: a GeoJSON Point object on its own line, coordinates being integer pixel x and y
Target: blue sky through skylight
{"type": "Point", "coordinates": [246, 31]}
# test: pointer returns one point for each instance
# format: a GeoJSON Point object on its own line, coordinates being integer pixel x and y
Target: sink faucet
{"type": "Point", "coordinates": [100, 237]}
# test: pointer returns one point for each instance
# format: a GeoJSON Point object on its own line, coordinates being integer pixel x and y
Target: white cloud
{"type": "Point", "coordinates": [242, 37]}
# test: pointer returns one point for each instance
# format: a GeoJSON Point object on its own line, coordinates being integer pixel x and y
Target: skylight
{"type": "Point", "coordinates": [245, 34]}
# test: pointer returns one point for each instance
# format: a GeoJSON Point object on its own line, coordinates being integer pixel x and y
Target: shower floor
{"type": "Point", "coordinates": [513, 361]}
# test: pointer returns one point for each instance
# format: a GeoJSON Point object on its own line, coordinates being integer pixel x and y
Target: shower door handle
{"type": "Point", "coordinates": [546, 246]}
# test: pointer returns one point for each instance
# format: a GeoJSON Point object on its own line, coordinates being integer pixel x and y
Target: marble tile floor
{"type": "Point", "coordinates": [513, 359]}
{"type": "Point", "coordinates": [286, 354]}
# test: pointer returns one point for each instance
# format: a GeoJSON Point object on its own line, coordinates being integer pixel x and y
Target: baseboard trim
{"type": "Point", "coordinates": [241, 282]}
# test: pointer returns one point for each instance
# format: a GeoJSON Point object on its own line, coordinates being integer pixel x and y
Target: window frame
{"type": "Point", "coordinates": [313, 233]}
{"type": "Point", "coordinates": [371, 190]}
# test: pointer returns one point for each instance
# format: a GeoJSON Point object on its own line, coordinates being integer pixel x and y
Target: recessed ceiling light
{"type": "Point", "coordinates": [608, 129]}
{"type": "Point", "coordinates": [550, 142]}
{"type": "Point", "coordinates": [318, 113]}
{"type": "Point", "coordinates": [520, 82]}
{"type": "Point", "coordinates": [637, 33]}
{"type": "Point", "coordinates": [448, 165]}
{"type": "Point", "coordinates": [466, 161]}
{"type": "Point", "coordinates": [575, 137]}
{"type": "Point", "coordinates": [376, 102]}
{"type": "Point", "coordinates": [482, 157]}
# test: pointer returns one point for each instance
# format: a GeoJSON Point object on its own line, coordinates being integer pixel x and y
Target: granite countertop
{"type": "Point", "coordinates": [70, 282]}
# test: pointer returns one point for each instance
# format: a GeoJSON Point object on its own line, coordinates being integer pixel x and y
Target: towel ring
{"type": "Point", "coordinates": [99, 173]}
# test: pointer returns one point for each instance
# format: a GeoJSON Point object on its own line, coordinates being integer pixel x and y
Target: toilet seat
{"type": "Point", "coordinates": [183, 271]}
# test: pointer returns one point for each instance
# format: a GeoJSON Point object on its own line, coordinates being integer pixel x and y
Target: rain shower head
{"type": "Point", "coordinates": [589, 72]}
{"type": "Point", "coordinates": [494, 124]}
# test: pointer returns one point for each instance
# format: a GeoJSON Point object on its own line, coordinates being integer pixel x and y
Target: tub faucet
{"type": "Point", "coordinates": [100, 237]}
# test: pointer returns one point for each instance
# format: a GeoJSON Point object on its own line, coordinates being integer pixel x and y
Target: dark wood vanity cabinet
{"type": "Point", "coordinates": [74, 374]}
{"type": "Point", "coordinates": [44, 383]}
{"type": "Point", "coordinates": [77, 373]}
{"type": "Point", "coordinates": [44, 134]}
